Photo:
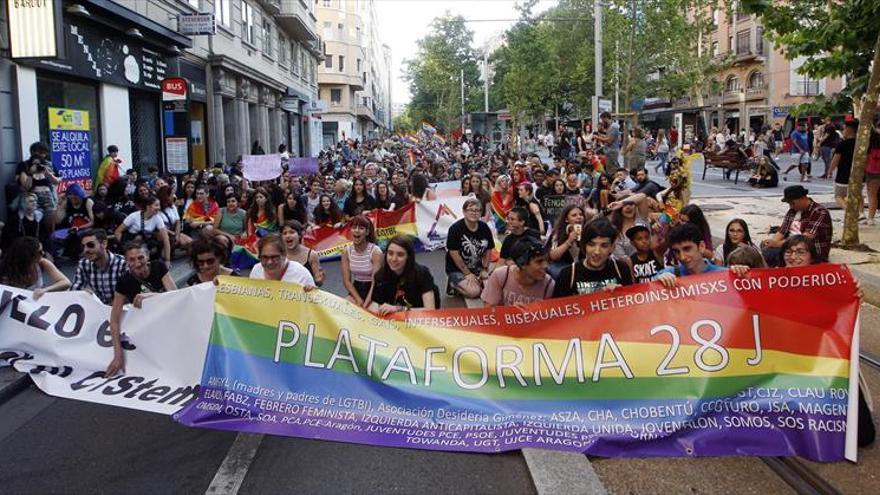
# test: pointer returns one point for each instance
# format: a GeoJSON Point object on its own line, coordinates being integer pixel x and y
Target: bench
{"type": "Point", "coordinates": [729, 161]}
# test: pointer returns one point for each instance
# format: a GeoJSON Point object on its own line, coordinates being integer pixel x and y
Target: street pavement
{"type": "Point", "coordinates": [58, 445]}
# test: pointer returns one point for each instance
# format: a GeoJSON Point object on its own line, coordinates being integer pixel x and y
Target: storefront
{"type": "Point", "coordinates": [110, 78]}
{"type": "Point", "coordinates": [194, 73]}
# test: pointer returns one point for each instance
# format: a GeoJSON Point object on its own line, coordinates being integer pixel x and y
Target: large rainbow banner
{"type": "Point", "coordinates": [718, 365]}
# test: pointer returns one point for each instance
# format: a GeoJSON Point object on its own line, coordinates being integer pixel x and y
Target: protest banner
{"type": "Point", "coordinates": [261, 167]}
{"type": "Point", "coordinates": [328, 242]}
{"type": "Point", "coordinates": [449, 189]}
{"type": "Point", "coordinates": [433, 219]}
{"type": "Point", "coordinates": [69, 138]}
{"type": "Point", "coordinates": [303, 166]}
{"type": "Point", "coordinates": [718, 365]}
{"type": "Point", "coordinates": [63, 342]}
{"type": "Point", "coordinates": [553, 205]}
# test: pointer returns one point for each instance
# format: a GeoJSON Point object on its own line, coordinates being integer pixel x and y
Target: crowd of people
{"type": "Point", "coordinates": [586, 221]}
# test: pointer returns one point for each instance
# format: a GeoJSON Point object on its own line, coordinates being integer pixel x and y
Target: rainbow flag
{"type": "Point", "coordinates": [719, 365]}
{"type": "Point", "coordinates": [428, 128]}
{"type": "Point", "coordinates": [328, 242]}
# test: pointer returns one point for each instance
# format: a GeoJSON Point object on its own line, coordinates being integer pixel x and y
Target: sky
{"type": "Point", "coordinates": [403, 22]}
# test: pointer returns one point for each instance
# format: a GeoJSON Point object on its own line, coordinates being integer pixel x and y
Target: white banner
{"type": "Point", "coordinates": [261, 167]}
{"type": "Point", "coordinates": [63, 341]}
{"type": "Point", "coordinates": [433, 219]}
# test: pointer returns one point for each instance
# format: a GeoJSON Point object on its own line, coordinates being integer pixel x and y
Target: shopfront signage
{"type": "Point", "coordinates": [290, 104]}
{"type": "Point", "coordinates": [780, 112]}
{"type": "Point", "coordinates": [176, 126]}
{"type": "Point", "coordinates": [34, 28]}
{"type": "Point", "coordinates": [196, 24]}
{"type": "Point", "coordinates": [70, 145]}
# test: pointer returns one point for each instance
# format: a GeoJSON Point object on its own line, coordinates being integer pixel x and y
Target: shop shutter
{"type": "Point", "coordinates": [146, 147]}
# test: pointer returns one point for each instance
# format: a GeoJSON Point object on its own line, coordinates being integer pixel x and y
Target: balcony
{"type": "Point", "coordinates": [330, 76]}
{"type": "Point", "coordinates": [758, 93]}
{"type": "Point", "coordinates": [365, 112]}
{"type": "Point", "coordinates": [272, 7]}
{"type": "Point", "coordinates": [295, 18]}
{"type": "Point", "coordinates": [731, 97]}
{"type": "Point", "coordinates": [748, 56]}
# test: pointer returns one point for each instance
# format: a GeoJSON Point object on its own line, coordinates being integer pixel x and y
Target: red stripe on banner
{"type": "Point", "coordinates": [790, 320]}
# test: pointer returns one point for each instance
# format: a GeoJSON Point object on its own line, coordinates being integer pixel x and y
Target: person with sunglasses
{"type": "Point", "coordinates": [207, 256]}
{"type": "Point", "coordinates": [98, 270]}
{"type": "Point", "coordinates": [525, 281]}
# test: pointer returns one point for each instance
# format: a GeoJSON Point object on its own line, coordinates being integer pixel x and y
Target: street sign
{"type": "Point", "coordinates": [504, 116]}
{"type": "Point", "coordinates": [289, 103]}
{"type": "Point", "coordinates": [196, 24]}
{"type": "Point", "coordinates": [34, 29]}
{"type": "Point", "coordinates": [177, 127]}
{"type": "Point", "coordinates": [780, 112]}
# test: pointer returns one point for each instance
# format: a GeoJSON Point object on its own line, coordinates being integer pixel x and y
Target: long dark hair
{"type": "Point", "coordinates": [695, 216]}
{"type": "Point", "coordinates": [17, 264]}
{"type": "Point", "coordinates": [409, 269]}
{"type": "Point", "coordinates": [728, 246]}
{"type": "Point", "coordinates": [560, 231]}
{"type": "Point", "coordinates": [324, 216]}
{"type": "Point", "coordinates": [299, 210]}
{"type": "Point", "coordinates": [255, 208]}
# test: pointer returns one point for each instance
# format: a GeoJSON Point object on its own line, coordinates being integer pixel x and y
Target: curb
{"type": "Point", "coordinates": [870, 285]}
{"type": "Point", "coordinates": [9, 389]}
{"type": "Point", "coordinates": [555, 472]}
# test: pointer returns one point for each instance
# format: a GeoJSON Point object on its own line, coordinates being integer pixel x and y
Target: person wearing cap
{"type": "Point", "coordinates": [108, 170]}
{"type": "Point", "coordinates": [805, 217]}
{"type": "Point", "coordinates": [525, 281]}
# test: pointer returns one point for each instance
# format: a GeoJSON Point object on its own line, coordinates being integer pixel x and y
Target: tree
{"type": "Point", "coordinates": [434, 75]}
{"type": "Point", "coordinates": [838, 39]}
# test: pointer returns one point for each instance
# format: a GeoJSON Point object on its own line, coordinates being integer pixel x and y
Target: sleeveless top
{"type": "Point", "coordinates": [307, 265]}
{"type": "Point", "coordinates": [361, 264]}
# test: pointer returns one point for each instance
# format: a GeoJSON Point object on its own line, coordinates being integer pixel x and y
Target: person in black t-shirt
{"type": "Point", "coordinates": [401, 283]}
{"type": "Point", "coordinates": [516, 226]}
{"type": "Point", "coordinates": [841, 161]}
{"type": "Point", "coordinates": [645, 262]}
{"type": "Point", "coordinates": [468, 244]}
{"type": "Point", "coordinates": [143, 279]}
{"type": "Point", "coordinates": [598, 270]}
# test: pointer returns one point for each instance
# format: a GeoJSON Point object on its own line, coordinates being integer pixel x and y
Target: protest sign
{"type": "Point", "coordinates": [70, 139]}
{"type": "Point", "coordinates": [553, 205]}
{"type": "Point", "coordinates": [63, 342]}
{"type": "Point", "coordinates": [434, 217]}
{"type": "Point", "coordinates": [303, 166]}
{"type": "Point", "coordinates": [261, 167]}
{"type": "Point", "coordinates": [718, 365]}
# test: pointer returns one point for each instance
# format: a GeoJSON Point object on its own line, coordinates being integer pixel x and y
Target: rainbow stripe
{"type": "Point", "coordinates": [595, 380]}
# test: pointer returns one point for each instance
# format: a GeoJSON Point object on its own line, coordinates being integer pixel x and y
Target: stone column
{"type": "Point", "coordinates": [217, 131]}
{"type": "Point", "coordinates": [242, 119]}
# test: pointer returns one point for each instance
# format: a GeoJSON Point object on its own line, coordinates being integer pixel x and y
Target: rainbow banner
{"type": "Point", "coordinates": [719, 365]}
{"type": "Point", "coordinates": [329, 242]}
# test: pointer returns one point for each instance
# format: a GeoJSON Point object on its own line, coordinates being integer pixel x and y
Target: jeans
{"type": "Point", "coordinates": [664, 157]}
{"type": "Point", "coordinates": [612, 161]}
{"type": "Point", "coordinates": [826, 152]}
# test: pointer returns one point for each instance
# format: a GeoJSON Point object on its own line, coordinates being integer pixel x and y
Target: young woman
{"type": "Point", "coordinates": [559, 187]}
{"type": "Point", "coordinates": [359, 201]}
{"type": "Point", "coordinates": [171, 218]}
{"type": "Point", "coordinates": [101, 193]}
{"type": "Point", "coordinates": [694, 215]}
{"type": "Point", "coordinates": [402, 284]}
{"type": "Point", "coordinates": [360, 261]}
{"type": "Point", "coordinates": [624, 216]}
{"type": "Point", "coordinates": [232, 220]}
{"type": "Point", "coordinates": [481, 193]}
{"type": "Point", "coordinates": [188, 196]}
{"type": "Point", "coordinates": [261, 216]}
{"type": "Point", "coordinates": [384, 196]}
{"type": "Point", "coordinates": [526, 199]}
{"type": "Point", "coordinates": [564, 248]}
{"type": "Point", "coordinates": [148, 225]}
{"type": "Point", "coordinates": [291, 233]}
{"type": "Point", "coordinates": [662, 151]}
{"type": "Point", "coordinates": [327, 213]}
{"type": "Point", "coordinates": [502, 201]}
{"type": "Point", "coordinates": [27, 221]}
{"type": "Point", "coordinates": [208, 257]}
{"type": "Point", "coordinates": [23, 266]}
{"type": "Point", "coordinates": [736, 235]}
{"type": "Point", "coordinates": [117, 199]}
{"type": "Point", "coordinates": [291, 209]}
{"type": "Point", "coordinates": [600, 196]}
{"type": "Point", "coordinates": [39, 179]}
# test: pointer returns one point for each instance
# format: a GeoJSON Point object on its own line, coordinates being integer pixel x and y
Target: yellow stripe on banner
{"type": "Point", "coordinates": [330, 313]}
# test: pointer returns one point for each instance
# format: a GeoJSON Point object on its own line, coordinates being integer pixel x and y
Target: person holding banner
{"type": "Point", "coordinates": [99, 270]}
{"type": "Point", "coordinates": [360, 261]}
{"type": "Point", "coordinates": [598, 270]}
{"type": "Point", "coordinates": [143, 279]}
{"type": "Point", "coordinates": [525, 281]}
{"type": "Point", "coordinates": [469, 243]}
{"type": "Point", "coordinates": [291, 233]}
{"type": "Point", "coordinates": [359, 201]}
{"type": "Point", "coordinates": [23, 265]}
{"type": "Point", "coordinates": [274, 264]}
{"type": "Point", "coordinates": [208, 256]}
{"type": "Point", "coordinates": [402, 284]}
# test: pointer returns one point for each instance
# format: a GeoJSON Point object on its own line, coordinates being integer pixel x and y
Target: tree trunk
{"type": "Point", "coordinates": [866, 119]}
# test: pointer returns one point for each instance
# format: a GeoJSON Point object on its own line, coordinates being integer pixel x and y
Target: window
{"type": "Point", "coordinates": [294, 57]}
{"type": "Point", "coordinates": [327, 3]}
{"type": "Point", "coordinates": [730, 43]}
{"type": "Point", "coordinates": [759, 40]}
{"type": "Point", "coordinates": [756, 80]}
{"type": "Point", "coordinates": [731, 84]}
{"type": "Point", "coordinates": [358, 65]}
{"type": "Point", "coordinates": [716, 51]}
{"type": "Point", "coordinates": [193, 3]}
{"type": "Point", "coordinates": [267, 37]}
{"type": "Point", "coordinates": [328, 61]}
{"type": "Point", "coordinates": [328, 30]}
{"type": "Point", "coordinates": [716, 18]}
{"type": "Point", "coordinates": [282, 50]}
{"type": "Point", "coordinates": [248, 28]}
{"type": "Point", "coordinates": [743, 44]}
{"type": "Point", "coordinates": [340, 28]}
{"type": "Point", "coordinates": [223, 12]}
{"type": "Point", "coordinates": [341, 63]}
{"type": "Point", "coordinates": [335, 96]}
{"type": "Point", "coordinates": [802, 84]}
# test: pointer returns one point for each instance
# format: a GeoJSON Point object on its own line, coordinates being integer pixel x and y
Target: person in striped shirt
{"type": "Point", "coordinates": [98, 270]}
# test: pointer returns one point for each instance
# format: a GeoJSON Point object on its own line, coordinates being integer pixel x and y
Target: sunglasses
{"type": "Point", "coordinates": [90, 244]}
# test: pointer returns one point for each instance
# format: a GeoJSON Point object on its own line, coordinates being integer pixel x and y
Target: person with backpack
{"type": "Point", "coordinates": [523, 282]}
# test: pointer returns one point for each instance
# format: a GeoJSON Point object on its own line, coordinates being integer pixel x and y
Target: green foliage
{"type": "Point", "coordinates": [434, 75]}
{"type": "Point", "coordinates": [404, 122]}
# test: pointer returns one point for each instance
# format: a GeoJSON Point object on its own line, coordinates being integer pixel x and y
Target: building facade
{"type": "Point", "coordinates": [354, 80]}
{"type": "Point", "coordinates": [253, 82]}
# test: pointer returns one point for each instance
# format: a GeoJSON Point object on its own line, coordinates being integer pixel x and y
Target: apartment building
{"type": "Point", "coordinates": [354, 80]}
{"type": "Point", "coordinates": [253, 80]}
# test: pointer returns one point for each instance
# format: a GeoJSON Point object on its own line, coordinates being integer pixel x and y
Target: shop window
{"type": "Point", "coordinates": [74, 94]}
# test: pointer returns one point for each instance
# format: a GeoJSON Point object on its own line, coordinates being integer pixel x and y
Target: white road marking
{"type": "Point", "coordinates": [234, 467]}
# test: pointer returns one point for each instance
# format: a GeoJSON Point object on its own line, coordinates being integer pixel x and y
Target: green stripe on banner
{"type": "Point", "coordinates": [259, 340]}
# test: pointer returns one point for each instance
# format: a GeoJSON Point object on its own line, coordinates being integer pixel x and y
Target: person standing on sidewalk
{"type": "Point", "coordinates": [800, 143]}
{"type": "Point", "coordinates": [841, 162]}
{"type": "Point", "coordinates": [829, 140]}
{"type": "Point", "coordinates": [611, 141]}
{"type": "Point", "coordinates": [805, 217]}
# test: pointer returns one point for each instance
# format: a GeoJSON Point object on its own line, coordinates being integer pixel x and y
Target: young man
{"type": "Point", "coordinates": [598, 270]}
{"type": "Point", "coordinates": [516, 226]}
{"type": "Point", "coordinates": [687, 245]}
{"type": "Point", "coordinates": [109, 169]}
{"type": "Point", "coordinates": [805, 217]}
{"type": "Point", "coordinates": [524, 282]}
{"type": "Point", "coordinates": [312, 198]}
{"type": "Point", "coordinates": [99, 270]}
{"type": "Point", "coordinates": [611, 141]}
{"type": "Point", "coordinates": [645, 263]}
{"type": "Point", "coordinates": [468, 245]}
{"type": "Point", "coordinates": [143, 279]}
{"type": "Point", "coordinates": [841, 161]}
{"type": "Point", "coordinates": [800, 142]}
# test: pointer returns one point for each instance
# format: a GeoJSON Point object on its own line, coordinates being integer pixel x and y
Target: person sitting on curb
{"type": "Point", "coordinates": [99, 270]}
{"type": "Point", "coordinates": [687, 245]}
{"type": "Point", "coordinates": [525, 281]}
{"type": "Point", "coordinates": [468, 246]}
{"type": "Point", "coordinates": [805, 217]}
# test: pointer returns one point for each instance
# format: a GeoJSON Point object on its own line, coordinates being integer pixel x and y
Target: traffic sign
{"type": "Point", "coordinates": [196, 24]}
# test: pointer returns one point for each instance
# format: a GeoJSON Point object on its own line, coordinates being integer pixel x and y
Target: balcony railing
{"type": "Point", "coordinates": [295, 18]}
{"type": "Point", "coordinates": [731, 96]}
{"type": "Point", "coordinates": [758, 93]}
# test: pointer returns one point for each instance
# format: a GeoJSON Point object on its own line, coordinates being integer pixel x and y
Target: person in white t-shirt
{"type": "Point", "coordinates": [148, 224]}
{"type": "Point", "coordinates": [274, 264]}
